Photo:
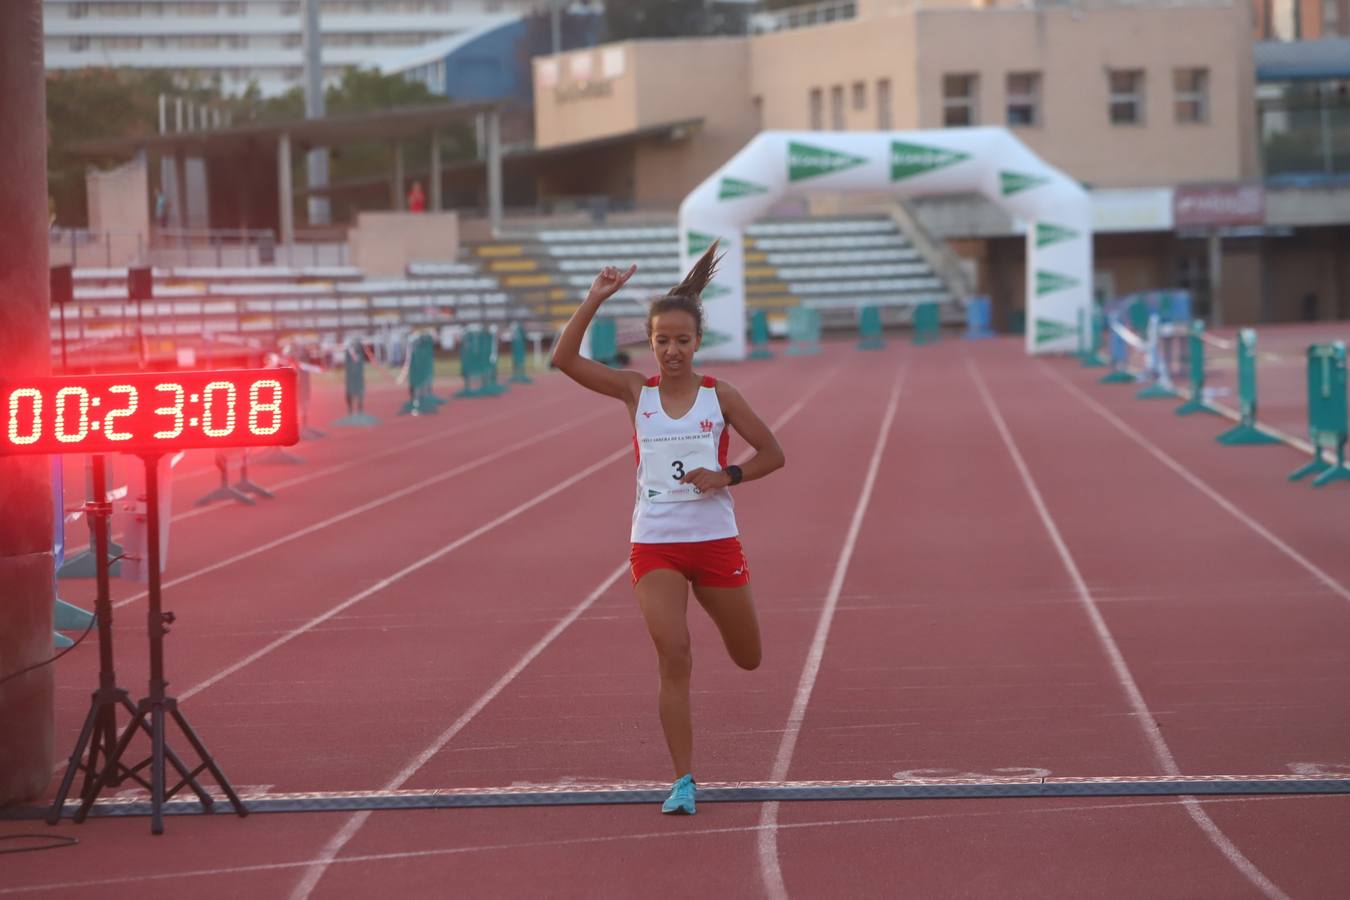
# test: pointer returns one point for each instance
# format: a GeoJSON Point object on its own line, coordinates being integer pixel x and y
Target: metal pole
{"type": "Point", "coordinates": [555, 13]}
{"type": "Point", "coordinates": [316, 164]}
{"type": "Point", "coordinates": [27, 736]}
{"type": "Point", "coordinates": [286, 215]}
{"type": "Point", "coordinates": [494, 168]}
{"type": "Point", "coordinates": [398, 198]}
{"type": "Point", "coordinates": [435, 205]}
{"type": "Point", "coordinates": [1215, 278]}
{"type": "Point", "coordinates": [163, 113]}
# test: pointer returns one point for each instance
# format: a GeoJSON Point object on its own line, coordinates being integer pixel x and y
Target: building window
{"type": "Point", "coordinates": [1024, 98]}
{"type": "Point", "coordinates": [837, 107]}
{"type": "Point", "coordinates": [958, 100]}
{"type": "Point", "coordinates": [859, 95]}
{"type": "Point", "coordinates": [1127, 96]}
{"type": "Point", "coordinates": [1192, 95]}
{"type": "Point", "coordinates": [883, 104]}
{"type": "Point", "coordinates": [120, 42]}
{"type": "Point", "coordinates": [817, 109]}
{"type": "Point", "coordinates": [1331, 17]}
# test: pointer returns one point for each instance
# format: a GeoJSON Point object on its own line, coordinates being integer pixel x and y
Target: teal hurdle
{"type": "Point", "coordinates": [478, 365]}
{"type": "Point", "coordinates": [1246, 433]}
{"type": "Point", "coordinates": [926, 322]}
{"type": "Point", "coordinates": [803, 331]}
{"type": "Point", "coordinates": [869, 329]}
{"type": "Point", "coordinates": [1197, 353]}
{"type": "Point", "coordinates": [605, 341]}
{"type": "Point", "coordinates": [1161, 388]}
{"type": "Point", "coordinates": [421, 374]}
{"type": "Point", "coordinates": [1326, 413]}
{"type": "Point", "coordinates": [1091, 355]}
{"type": "Point", "coordinates": [518, 374]}
{"type": "Point", "coordinates": [759, 335]}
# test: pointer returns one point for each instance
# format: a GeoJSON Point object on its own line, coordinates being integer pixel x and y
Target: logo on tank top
{"type": "Point", "coordinates": [706, 425]}
{"type": "Point", "coordinates": [647, 415]}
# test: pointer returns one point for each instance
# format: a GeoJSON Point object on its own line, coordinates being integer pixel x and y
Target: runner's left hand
{"type": "Point", "coordinates": [705, 480]}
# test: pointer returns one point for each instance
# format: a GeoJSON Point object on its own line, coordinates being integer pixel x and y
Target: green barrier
{"type": "Point", "coordinates": [1197, 359]}
{"type": "Point", "coordinates": [926, 322]}
{"type": "Point", "coordinates": [1090, 338]}
{"type": "Point", "coordinates": [1245, 433]}
{"type": "Point", "coordinates": [605, 341]}
{"type": "Point", "coordinates": [759, 335]}
{"type": "Point", "coordinates": [1326, 413]}
{"type": "Point", "coordinates": [869, 329]}
{"type": "Point", "coordinates": [518, 375]}
{"type": "Point", "coordinates": [803, 331]}
{"type": "Point", "coordinates": [478, 365]}
{"type": "Point", "coordinates": [421, 374]}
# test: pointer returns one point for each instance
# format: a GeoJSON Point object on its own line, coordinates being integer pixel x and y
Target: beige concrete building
{"type": "Point", "coordinates": [1116, 95]}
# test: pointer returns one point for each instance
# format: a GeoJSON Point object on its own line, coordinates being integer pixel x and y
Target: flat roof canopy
{"type": "Point", "coordinates": [520, 155]}
{"type": "Point", "coordinates": [330, 131]}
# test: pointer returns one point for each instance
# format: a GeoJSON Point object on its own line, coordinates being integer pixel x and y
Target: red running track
{"type": "Point", "coordinates": [1023, 573]}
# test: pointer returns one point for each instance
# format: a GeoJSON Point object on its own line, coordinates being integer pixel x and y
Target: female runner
{"type": "Point", "coordinates": [684, 525]}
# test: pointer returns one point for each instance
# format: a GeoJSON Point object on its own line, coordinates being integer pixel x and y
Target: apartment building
{"type": "Point", "coordinates": [246, 41]}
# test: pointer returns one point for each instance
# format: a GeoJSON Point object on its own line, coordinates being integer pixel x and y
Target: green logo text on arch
{"type": "Point", "coordinates": [698, 242]}
{"type": "Point", "coordinates": [908, 160]}
{"type": "Point", "coordinates": [1053, 330]}
{"type": "Point", "coordinates": [805, 161]}
{"type": "Point", "coordinates": [1013, 182]}
{"type": "Point", "coordinates": [733, 188]}
{"type": "Point", "coordinates": [1047, 234]}
{"type": "Point", "coordinates": [1049, 282]}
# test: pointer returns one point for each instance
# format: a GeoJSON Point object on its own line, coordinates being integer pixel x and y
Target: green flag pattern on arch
{"type": "Point", "coordinates": [733, 188]}
{"type": "Point", "coordinates": [698, 242]}
{"type": "Point", "coordinates": [1053, 330]}
{"type": "Point", "coordinates": [1013, 182]}
{"type": "Point", "coordinates": [1047, 234]}
{"type": "Point", "coordinates": [806, 161]}
{"type": "Point", "coordinates": [908, 160]}
{"type": "Point", "coordinates": [1049, 282]}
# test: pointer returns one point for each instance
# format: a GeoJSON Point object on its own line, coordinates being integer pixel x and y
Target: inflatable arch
{"type": "Point", "coordinates": [989, 161]}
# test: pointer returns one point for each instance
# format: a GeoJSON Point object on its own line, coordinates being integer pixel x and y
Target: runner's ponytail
{"type": "Point", "coordinates": [685, 295]}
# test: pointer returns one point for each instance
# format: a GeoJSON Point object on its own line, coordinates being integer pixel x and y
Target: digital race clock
{"type": "Point", "coordinates": [149, 412]}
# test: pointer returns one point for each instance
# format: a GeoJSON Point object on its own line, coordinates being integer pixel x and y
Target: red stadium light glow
{"type": "Point", "coordinates": [149, 412]}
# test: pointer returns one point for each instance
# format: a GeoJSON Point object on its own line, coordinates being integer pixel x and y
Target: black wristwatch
{"type": "Point", "coordinates": [734, 472]}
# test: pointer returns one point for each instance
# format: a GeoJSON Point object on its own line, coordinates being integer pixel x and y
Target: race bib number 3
{"type": "Point", "coordinates": [666, 460]}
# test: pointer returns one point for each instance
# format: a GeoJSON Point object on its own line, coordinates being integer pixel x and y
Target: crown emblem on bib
{"type": "Point", "coordinates": [706, 425]}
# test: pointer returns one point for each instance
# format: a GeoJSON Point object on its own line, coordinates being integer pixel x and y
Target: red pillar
{"type": "Point", "coordinates": [25, 339]}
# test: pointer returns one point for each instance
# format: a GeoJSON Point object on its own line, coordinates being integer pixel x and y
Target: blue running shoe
{"type": "Point", "coordinates": [681, 799]}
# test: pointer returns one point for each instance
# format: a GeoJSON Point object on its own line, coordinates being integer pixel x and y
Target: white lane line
{"type": "Point", "coordinates": [1161, 752]}
{"type": "Point", "coordinates": [1196, 482]}
{"type": "Point", "coordinates": [397, 448]}
{"type": "Point", "coordinates": [667, 834]}
{"type": "Point", "coordinates": [373, 504]}
{"type": "Point", "coordinates": [408, 570]}
{"type": "Point", "coordinates": [770, 870]}
{"type": "Point", "coordinates": [353, 825]}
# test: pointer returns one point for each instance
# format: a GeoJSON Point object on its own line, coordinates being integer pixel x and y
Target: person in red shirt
{"type": "Point", "coordinates": [417, 198]}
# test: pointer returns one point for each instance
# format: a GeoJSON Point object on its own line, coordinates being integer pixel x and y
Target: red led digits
{"type": "Point", "coordinates": [149, 412]}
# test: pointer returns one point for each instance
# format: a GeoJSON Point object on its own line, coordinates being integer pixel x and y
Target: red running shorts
{"type": "Point", "coordinates": [719, 563]}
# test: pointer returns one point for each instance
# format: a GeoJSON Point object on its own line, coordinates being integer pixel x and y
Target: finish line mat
{"type": "Point", "coordinates": [736, 792]}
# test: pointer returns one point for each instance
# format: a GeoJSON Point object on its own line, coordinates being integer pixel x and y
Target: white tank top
{"type": "Point", "coordinates": [667, 512]}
